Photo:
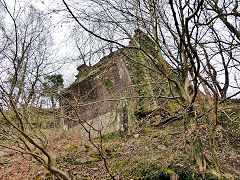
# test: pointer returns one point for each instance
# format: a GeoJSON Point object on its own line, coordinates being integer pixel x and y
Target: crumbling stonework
{"type": "Point", "coordinates": [110, 94]}
{"type": "Point", "coordinates": [96, 91]}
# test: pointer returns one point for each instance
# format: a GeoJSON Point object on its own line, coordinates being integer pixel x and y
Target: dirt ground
{"type": "Point", "coordinates": [146, 154]}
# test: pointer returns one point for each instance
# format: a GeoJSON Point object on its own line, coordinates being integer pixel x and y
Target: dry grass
{"type": "Point", "coordinates": [149, 152]}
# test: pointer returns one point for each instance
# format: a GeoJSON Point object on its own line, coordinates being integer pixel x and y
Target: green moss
{"type": "Point", "coordinates": [120, 163]}
{"type": "Point", "coordinates": [107, 83]}
{"type": "Point", "coordinates": [148, 130]}
{"type": "Point", "coordinates": [146, 171]}
{"type": "Point", "coordinates": [174, 105]}
{"type": "Point", "coordinates": [168, 171]}
{"type": "Point", "coordinates": [189, 174]}
{"type": "Point", "coordinates": [139, 77]}
{"type": "Point", "coordinates": [137, 169]}
{"type": "Point", "coordinates": [95, 159]}
{"type": "Point", "coordinates": [110, 137]}
{"type": "Point", "coordinates": [154, 134]}
{"type": "Point", "coordinates": [143, 112]}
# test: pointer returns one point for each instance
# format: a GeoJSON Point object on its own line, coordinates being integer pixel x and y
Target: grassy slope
{"type": "Point", "coordinates": [147, 154]}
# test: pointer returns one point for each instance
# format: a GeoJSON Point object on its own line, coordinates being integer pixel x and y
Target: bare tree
{"type": "Point", "coordinates": [89, 49]}
{"type": "Point", "coordinates": [52, 86]}
{"type": "Point", "coordinates": [25, 52]}
{"type": "Point", "coordinates": [193, 49]}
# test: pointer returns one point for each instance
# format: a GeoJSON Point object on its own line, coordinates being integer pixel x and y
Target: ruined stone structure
{"type": "Point", "coordinates": [108, 95]}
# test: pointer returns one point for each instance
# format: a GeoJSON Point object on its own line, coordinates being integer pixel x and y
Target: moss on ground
{"type": "Point", "coordinates": [149, 153]}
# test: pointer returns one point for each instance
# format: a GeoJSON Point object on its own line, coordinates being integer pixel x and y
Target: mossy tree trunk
{"type": "Point", "coordinates": [195, 141]}
{"type": "Point", "coordinates": [214, 121]}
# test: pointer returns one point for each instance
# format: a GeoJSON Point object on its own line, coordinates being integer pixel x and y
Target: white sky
{"type": "Point", "coordinates": [60, 32]}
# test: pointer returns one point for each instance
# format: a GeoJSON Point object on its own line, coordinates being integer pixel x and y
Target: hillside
{"type": "Point", "coordinates": [153, 151]}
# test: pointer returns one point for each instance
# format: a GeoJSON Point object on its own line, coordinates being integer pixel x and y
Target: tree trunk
{"type": "Point", "coordinates": [214, 121]}
{"type": "Point", "coordinates": [58, 173]}
{"type": "Point", "coordinates": [195, 142]}
{"type": "Point", "coordinates": [52, 101]}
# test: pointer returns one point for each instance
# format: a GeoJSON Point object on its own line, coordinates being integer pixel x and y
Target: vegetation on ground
{"type": "Point", "coordinates": [149, 153]}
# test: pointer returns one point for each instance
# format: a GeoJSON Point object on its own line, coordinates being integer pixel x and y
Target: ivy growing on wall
{"type": "Point", "coordinates": [107, 83]}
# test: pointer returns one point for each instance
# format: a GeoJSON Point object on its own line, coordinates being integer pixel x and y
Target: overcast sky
{"type": "Point", "coordinates": [63, 49]}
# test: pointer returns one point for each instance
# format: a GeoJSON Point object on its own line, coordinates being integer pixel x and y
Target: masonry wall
{"type": "Point", "coordinates": [96, 96]}
{"type": "Point", "coordinates": [106, 89]}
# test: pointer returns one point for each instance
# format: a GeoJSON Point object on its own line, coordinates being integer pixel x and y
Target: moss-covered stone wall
{"type": "Point", "coordinates": [125, 83]}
